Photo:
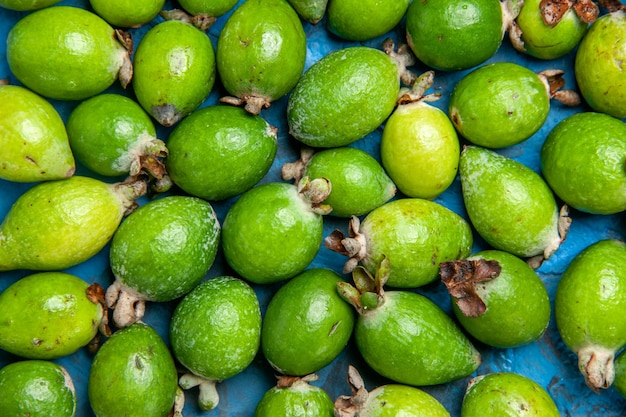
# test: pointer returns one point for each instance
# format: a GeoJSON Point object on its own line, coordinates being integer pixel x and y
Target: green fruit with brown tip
{"type": "Point", "coordinates": [295, 397]}
{"type": "Point", "coordinates": [310, 10]}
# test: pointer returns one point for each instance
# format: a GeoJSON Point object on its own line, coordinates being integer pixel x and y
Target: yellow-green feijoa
{"type": "Point", "coordinates": [590, 306]}
{"type": "Point", "coordinates": [36, 388]}
{"type": "Point", "coordinates": [133, 373]}
{"type": "Point", "coordinates": [160, 252]}
{"type": "Point", "coordinates": [174, 70]}
{"type": "Point", "coordinates": [343, 97]}
{"type": "Point", "coordinates": [295, 397]}
{"type": "Point", "coordinates": [219, 152]}
{"type": "Point", "coordinates": [58, 224]}
{"type": "Point", "coordinates": [310, 10]}
{"type": "Point", "coordinates": [364, 20]}
{"type": "Point", "coordinates": [415, 234]}
{"type": "Point", "coordinates": [67, 53]}
{"type": "Point", "coordinates": [389, 400]}
{"type": "Point", "coordinates": [507, 394]}
{"type": "Point", "coordinates": [498, 298]}
{"type": "Point", "coordinates": [113, 136]}
{"type": "Point", "coordinates": [306, 324]}
{"type": "Point", "coordinates": [34, 141]}
{"type": "Point", "coordinates": [620, 374]}
{"type": "Point", "coordinates": [598, 65]}
{"type": "Point", "coordinates": [126, 13]}
{"type": "Point", "coordinates": [261, 53]}
{"type": "Point", "coordinates": [48, 315]}
{"type": "Point", "coordinates": [208, 8]}
{"type": "Point", "coordinates": [26, 5]}
{"type": "Point", "coordinates": [583, 160]}
{"type": "Point", "coordinates": [359, 182]}
{"type": "Point", "coordinates": [215, 333]}
{"type": "Point", "coordinates": [419, 147]}
{"type": "Point", "coordinates": [509, 204]}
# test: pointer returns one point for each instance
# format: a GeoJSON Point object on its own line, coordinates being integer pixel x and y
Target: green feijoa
{"type": "Point", "coordinates": [67, 53]}
{"type": "Point", "coordinates": [160, 252]}
{"type": "Point", "coordinates": [506, 394]}
{"type": "Point", "coordinates": [620, 374]}
{"type": "Point", "coordinates": [48, 315]}
{"type": "Point", "coordinates": [598, 64]}
{"type": "Point", "coordinates": [582, 159]}
{"type": "Point", "coordinates": [133, 373]}
{"type": "Point", "coordinates": [174, 70]}
{"type": "Point", "coordinates": [499, 104]}
{"type": "Point", "coordinates": [209, 8]}
{"type": "Point", "coordinates": [590, 306]}
{"type": "Point", "coordinates": [112, 135]}
{"type": "Point", "coordinates": [403, 335]}
{"type": "Point", "coordinates": [36, 388]}
{"type": "Point", "coordinates": [261, 53]}
{"type": "Point", "coordinates": [34, 141]}
{"type": "Point", "coordinates": [219, 152]}
{"type": "Point", "coordinates": [26, 5]}
{"type": "Point", "coordinates": [215, 333]}
{"type": "Point", "coordinates": [359, 182]}
{"type": "Point", "coordinates": [419, 146]}
{"type": "Point", "coordinates": [510, 205]}
{"type": "Point", "coordinates": [295, 397]}
{"type": "Point", "coordinates": [58, 224]}
{"type": "Point", "coordinates": [306, 324]}
{"type": "Point", "coordinates": [542, 35]}
{"type": "Point", "coordinates": [415, 234]}
{"type": "Point", "coordinates": [274, 230]}
{"type": "Point", "coordinates": [498, 298]}
{"type": "Point", "coordinates": [455, 35]}
{"type": "Point", "coordinates": [366, 19]}
{"type": "Point", "coordinates": [127, 13]}
{"type": "Point", "coordinates": [310, 10]}
{"type": "Point", "coordinates": [343, 97]}
{"type": "Point", "coordinates": [389, 400]}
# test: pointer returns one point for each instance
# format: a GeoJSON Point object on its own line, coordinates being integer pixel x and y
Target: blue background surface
{"type": "Point", "coordinates": [547, 361]}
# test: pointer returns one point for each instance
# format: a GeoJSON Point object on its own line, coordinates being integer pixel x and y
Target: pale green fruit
{"type": "Point", "coordinates": [295, 397]}
{"type": "Point", "coordinates": [58, 224]}
{"type": "Point", "coordinates": [127, 13]}
{"type": "Point", "coordinates": [25, 5]}
{"type": "Point", "coordinates": [211, 8]}
{"type": "Point", "coordinates": [33, 138]}
{"type": "Point", "coordinates": [360, 20]}
{"type": "Point", "coordinates": [49, 315]}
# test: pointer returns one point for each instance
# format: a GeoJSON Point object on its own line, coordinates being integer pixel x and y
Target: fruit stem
{"type": "Point", "coordinates": [179, 403]}
{"type": "Point", "coordinates": [418, 90]}
{"type": "Point", "coordinates": [315, 192]}
{"type": "Point", "coordinates": [351, 406]}
{"type": "Point", "coordinates": [354, 246]}
{"type": "Point", "coordinates": [295, 170]}
{"type": "Point", "coordinates": [553, 81]}
{"type": "Point", "coordinates": [208, 398]}
{"type": "Point", "coordinates": [596, 364]}
{"type": "Point", "coordinates": [127, 192]}
{"type": "Point", "coordinates": [201, 21]}
{"type": "Point", "coordinates": [128, 306]}
{"type": "Point", "coordinates": [403, 58]}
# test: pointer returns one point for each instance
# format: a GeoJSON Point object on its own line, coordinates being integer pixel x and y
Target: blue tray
{"type": "Point", "coordinates": [547, 361]}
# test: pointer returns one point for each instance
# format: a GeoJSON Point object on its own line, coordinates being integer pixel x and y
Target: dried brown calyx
{"type": "Point", "coordinates": [95, 294]}
{"type": "Point", "coordinates": [295, 170]}
{"type": "Point", "coordinates": [200, 21]}
{"type": "Point", "coordinates": [554, 82]}
{"type": "Point", "coordinates": [553, 11]}
{"type": "Point", "coordinates": [351, 405]}
{"type": "Point", "coordinates": [404, 58]}
{"type": "Point", "coordinates": [353, 246]}
{"type": "Point", "coordinates": [460, 278]}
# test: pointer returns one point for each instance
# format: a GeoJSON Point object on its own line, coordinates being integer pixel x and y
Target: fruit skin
{"type": "Point", "coordinates": [58, 224]}
{"type": "Point", "coordinates": [25, 5]}
{"type": "Point", "coordinates": [48, 315]}
{"type": "Point", "coordinates": [295, 397]}
{"type": "Point", "coordinates": [175, 70]}
{"type": "Point", "coordinates": [310, 10]}
{"type": "Point", "coordinates": [509, 204]}
{"type": "Point", "coordinates": [420, 150]}
{"type": "Point", "coordinates": [499, 105]}
{"type": "Point", "coordinates": [36, 388]}
{"type": "Point", "coordinates": [261, 52]}
{"type": "Point", "coordinates": [365, 19]}
{"type": "Point", "coordinates": [620, 374]}
{"type": "Point", "coordinates": [306, 324]}
{"type": "Point", "coordinates": [457, 35]}
{"type": "Point", "coordinates": [507, 394]}
{"type": "Point", "coordinates": [127, 13]}
{"type": "Point", "coordinates": [598, 67]}
{"type": "Point", "coordinates": [133, 373]}
{"type": "Point", "coordinates": [219, 152]}
{"type": "Point", "coordinates": [34, 141]}
{"type": "Point", "coordinates": [589, 307]}
{"type": "Point", "coordinates": [208, 7]}
{"type": "Point", "coordinates": [60, 70]}
{"type": "Point", "coordinates": [582, 159]}
{"type": "Point", "coordinates": [343, 97]}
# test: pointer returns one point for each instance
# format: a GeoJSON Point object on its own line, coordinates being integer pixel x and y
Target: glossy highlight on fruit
{"type": "Point", "coordinates": [127, 13]}
{"type": "Point", "coordinates": [361, 20]}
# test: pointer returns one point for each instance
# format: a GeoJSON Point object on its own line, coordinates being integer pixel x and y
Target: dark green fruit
{"type": "Point", "coordinates": [360, 20]}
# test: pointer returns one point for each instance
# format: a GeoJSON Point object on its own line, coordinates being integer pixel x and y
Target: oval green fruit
{"type": "Point", "coordinates": [174, 70]}
{"type": "Point", "coordinates": [219, 152]}
{"type": "Point", "coordinates": [127, 13]}
{"type": "Point", "coordinates": [37, 388]}
{"type": "Point", "coordinates": [215, 333]}
{"type": "Point", "coordinates": [66, 53]}
{"type": "Point", "coordinates": [306, 324]}
{"type": "Point", "coordinates": [261, 53]}
{"type": "Point", "coordinates": [295, 397]}
{"type": "Point", "coordinates": [211, 8]}
{"type": "Point", "coordinates": [49, 315]}
{"type": "Point", "coordinates": [34, 141]}
{"type": "Point", "coordinates": [343, 97]}
{"type": "Point", "coordinates": [582, 159]}
{"type": "Point", "coordinates": [361, 20]}
{"type": "Point", "coordinates": [590, 306]}
{"type": "Point", "coordinates": [25, 5]}
{"type": "Point", "coordinates": [507, 394]}
{"type": "Point", "coordinates": [310, 10]}
{"type": "Point", "coordinates": [133, 373]}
